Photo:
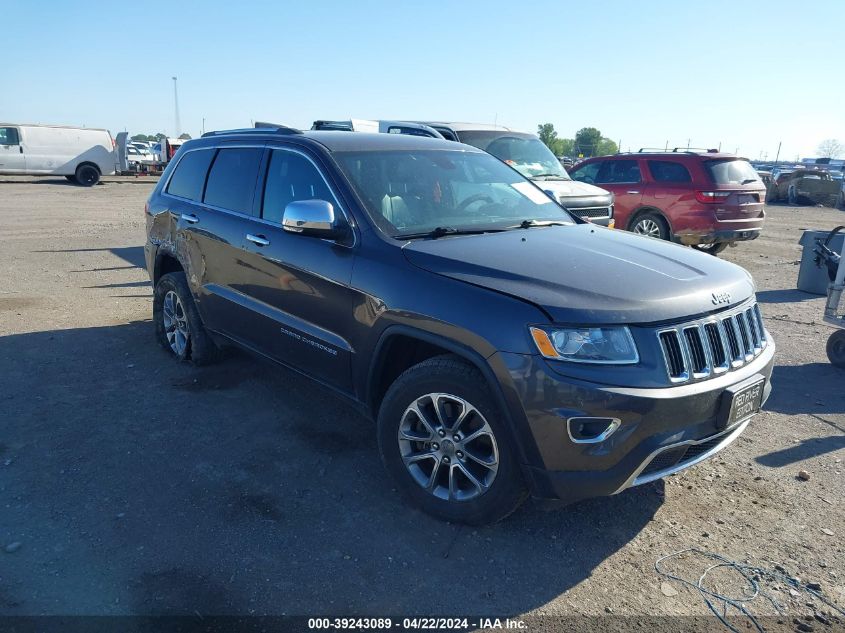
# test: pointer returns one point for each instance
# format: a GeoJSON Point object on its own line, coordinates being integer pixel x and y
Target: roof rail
{"type": "Point", "coordinates": [260, 128]}
{"type": "Point", "coordinates": [677, 150]}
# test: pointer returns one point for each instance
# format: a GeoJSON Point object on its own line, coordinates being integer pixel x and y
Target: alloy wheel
{"type": "Point", "coordinates": [448, 447]}
{"type": "Point", "coordinates": [648, 227]}
{"type": "Point", "coordinates": [175, 323]}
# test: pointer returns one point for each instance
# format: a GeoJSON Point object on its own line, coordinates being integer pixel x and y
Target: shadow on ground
{"type": "Point", "coordinates": [132, 255]}
{"type": "Point", "coordinates": [139, 485]}
{"type": "Point", "coordinates": [790, 295]}
{"type": "Point", "coordinates": [814, 389]}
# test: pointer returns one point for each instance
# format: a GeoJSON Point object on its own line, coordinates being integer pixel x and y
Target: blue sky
{"type": "Point", "coordinates": [743, 74]}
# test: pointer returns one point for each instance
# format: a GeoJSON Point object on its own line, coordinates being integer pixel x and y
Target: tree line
{"type": "Point", "coordinates": [588, 142]}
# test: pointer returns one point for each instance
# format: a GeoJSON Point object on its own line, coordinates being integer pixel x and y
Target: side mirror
{"type": "Point", "coordinates": [313, 217]}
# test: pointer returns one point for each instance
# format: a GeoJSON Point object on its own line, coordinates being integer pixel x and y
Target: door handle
{"type": "Point", "coordinates": [20, 148]}
{"type": "Point", "coordinates": [259, 240]}
{"type": "Point", "coordinates": [190, 218]}
{"type": "Point", "coordinates": [632, 192]}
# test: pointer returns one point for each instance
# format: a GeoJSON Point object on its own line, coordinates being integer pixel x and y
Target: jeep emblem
{"type": "Point", "coordinates": [721, 297]}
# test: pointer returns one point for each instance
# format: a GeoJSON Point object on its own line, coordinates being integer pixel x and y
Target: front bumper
{"type": "Point", "coordinates": [660, 430]}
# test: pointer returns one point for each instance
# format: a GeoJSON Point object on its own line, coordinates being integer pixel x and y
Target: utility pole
{"type": "Point", "coordinates": [203, 125]}
{"type": "Point", "coordinates": [778, 154]}
{"type": "Point", "coordinates": [688, 142]}
{"type": "Point", "coordinates": [176, 107]}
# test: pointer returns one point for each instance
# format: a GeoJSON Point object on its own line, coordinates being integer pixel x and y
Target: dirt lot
{"type": "Point", "coordinates": [130, 484]}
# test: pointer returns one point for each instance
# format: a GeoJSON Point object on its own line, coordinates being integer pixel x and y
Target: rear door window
{"type": "Point", "coordinates": [291, 177]}
{"type": "Point", "coordinates": [732, 172]}
{"type": "Point", "coordinates": [618, 171]}
{"type": "Point", "coordinates": [668, 171]}
{"type": "Point", "coordinates": [231, 181]}
{"type": "Point", "coordinates": [188, 179]}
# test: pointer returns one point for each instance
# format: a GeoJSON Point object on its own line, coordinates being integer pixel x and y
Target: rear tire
{"type": "Point", "coordinates": [424, 445]}
{"type": "Point", "coordinates": [651, 224]}
{"type": "Point", "coordinates": [836, 349]}
{"type": "Point", "coordinates": [178, 326]}
{"type": "Point", "coordinates": [87, 175]}
{"type": "Point", "coordinates": [714, 248]}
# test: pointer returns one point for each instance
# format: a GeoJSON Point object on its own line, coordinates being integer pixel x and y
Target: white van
{"type": "Point", "coordinates": [81, 155]}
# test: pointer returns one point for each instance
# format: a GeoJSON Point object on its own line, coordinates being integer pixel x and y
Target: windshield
{"type": "Point", "coordinates": [524, 152]}
{"type": "Point", "coordinates": [410, 192]}
{"type": "Point", "coordinates": [732, 172]}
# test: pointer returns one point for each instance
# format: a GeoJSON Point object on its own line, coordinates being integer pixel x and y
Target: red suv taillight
{"type": "Point", "coordinates": [710, 197]}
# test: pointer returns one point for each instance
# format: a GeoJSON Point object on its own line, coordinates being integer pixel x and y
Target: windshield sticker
{"type": "Point", "coordinates": [531, 192]}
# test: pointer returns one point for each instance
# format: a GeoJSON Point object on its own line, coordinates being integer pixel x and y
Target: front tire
{"type": "Point", "coordinates": [836, 349]}
{"type": "Point", "coordinates": [651, 225]}
{"type": "Point", "coordinates": [444, 440]}
{"type": "Point", "coordinates": [179, 328]}
{"type": "Point", "coordinates": [87, 175]}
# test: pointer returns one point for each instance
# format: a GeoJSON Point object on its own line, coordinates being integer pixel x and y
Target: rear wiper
{"type": "Point", "coordinates": [527, 224]}
{"type": "Point", "coordinates": [440, 231]}
{"type": "Point", "coordinates": [748, 181]}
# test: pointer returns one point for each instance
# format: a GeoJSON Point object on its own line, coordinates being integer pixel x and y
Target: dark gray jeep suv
{"type": "Point", "coordinates": [503, 346]}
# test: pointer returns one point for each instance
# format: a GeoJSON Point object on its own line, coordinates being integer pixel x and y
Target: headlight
{"type": "Point", "coordinates": [600, 345]}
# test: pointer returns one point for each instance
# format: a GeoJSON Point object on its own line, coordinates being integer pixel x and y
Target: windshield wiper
{"type": "Point", "coordinates": [440, 231]}
{"type": "Point", "coordinates": [527, 224]}
{"type": "Point", "coordinates": [548, 176]}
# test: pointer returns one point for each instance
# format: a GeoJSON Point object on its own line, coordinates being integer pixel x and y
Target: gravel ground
{"type": "Point", "coordinates": [130, 484]}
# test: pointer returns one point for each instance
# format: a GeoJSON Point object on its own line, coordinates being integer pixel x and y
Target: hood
{"type": "Point", "coordinates": [564, 189]}
{"type": "Point", "coordinates": [583, 274]}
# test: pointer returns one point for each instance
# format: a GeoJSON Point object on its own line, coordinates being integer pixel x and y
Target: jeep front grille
{"type": "Point", "coordinates": [701, 349]}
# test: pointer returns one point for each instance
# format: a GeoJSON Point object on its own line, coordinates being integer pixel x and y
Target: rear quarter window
{"type": "Point", "coordinates": [189, 176]}
{"type": "Point", "coordinates": [732, 172]}
{"type": "Point", "coordinates": [231, 181]}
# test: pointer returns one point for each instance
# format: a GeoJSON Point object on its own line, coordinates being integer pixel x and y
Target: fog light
{"type": "Point", "coordinates": [591, 430]}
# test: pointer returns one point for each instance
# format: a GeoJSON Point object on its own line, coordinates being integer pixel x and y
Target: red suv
{"type": "Point", "coordinates": [704, 199]}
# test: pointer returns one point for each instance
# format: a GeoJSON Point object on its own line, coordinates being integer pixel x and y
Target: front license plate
{"type": "Point", "coordinates": [740, 402]}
